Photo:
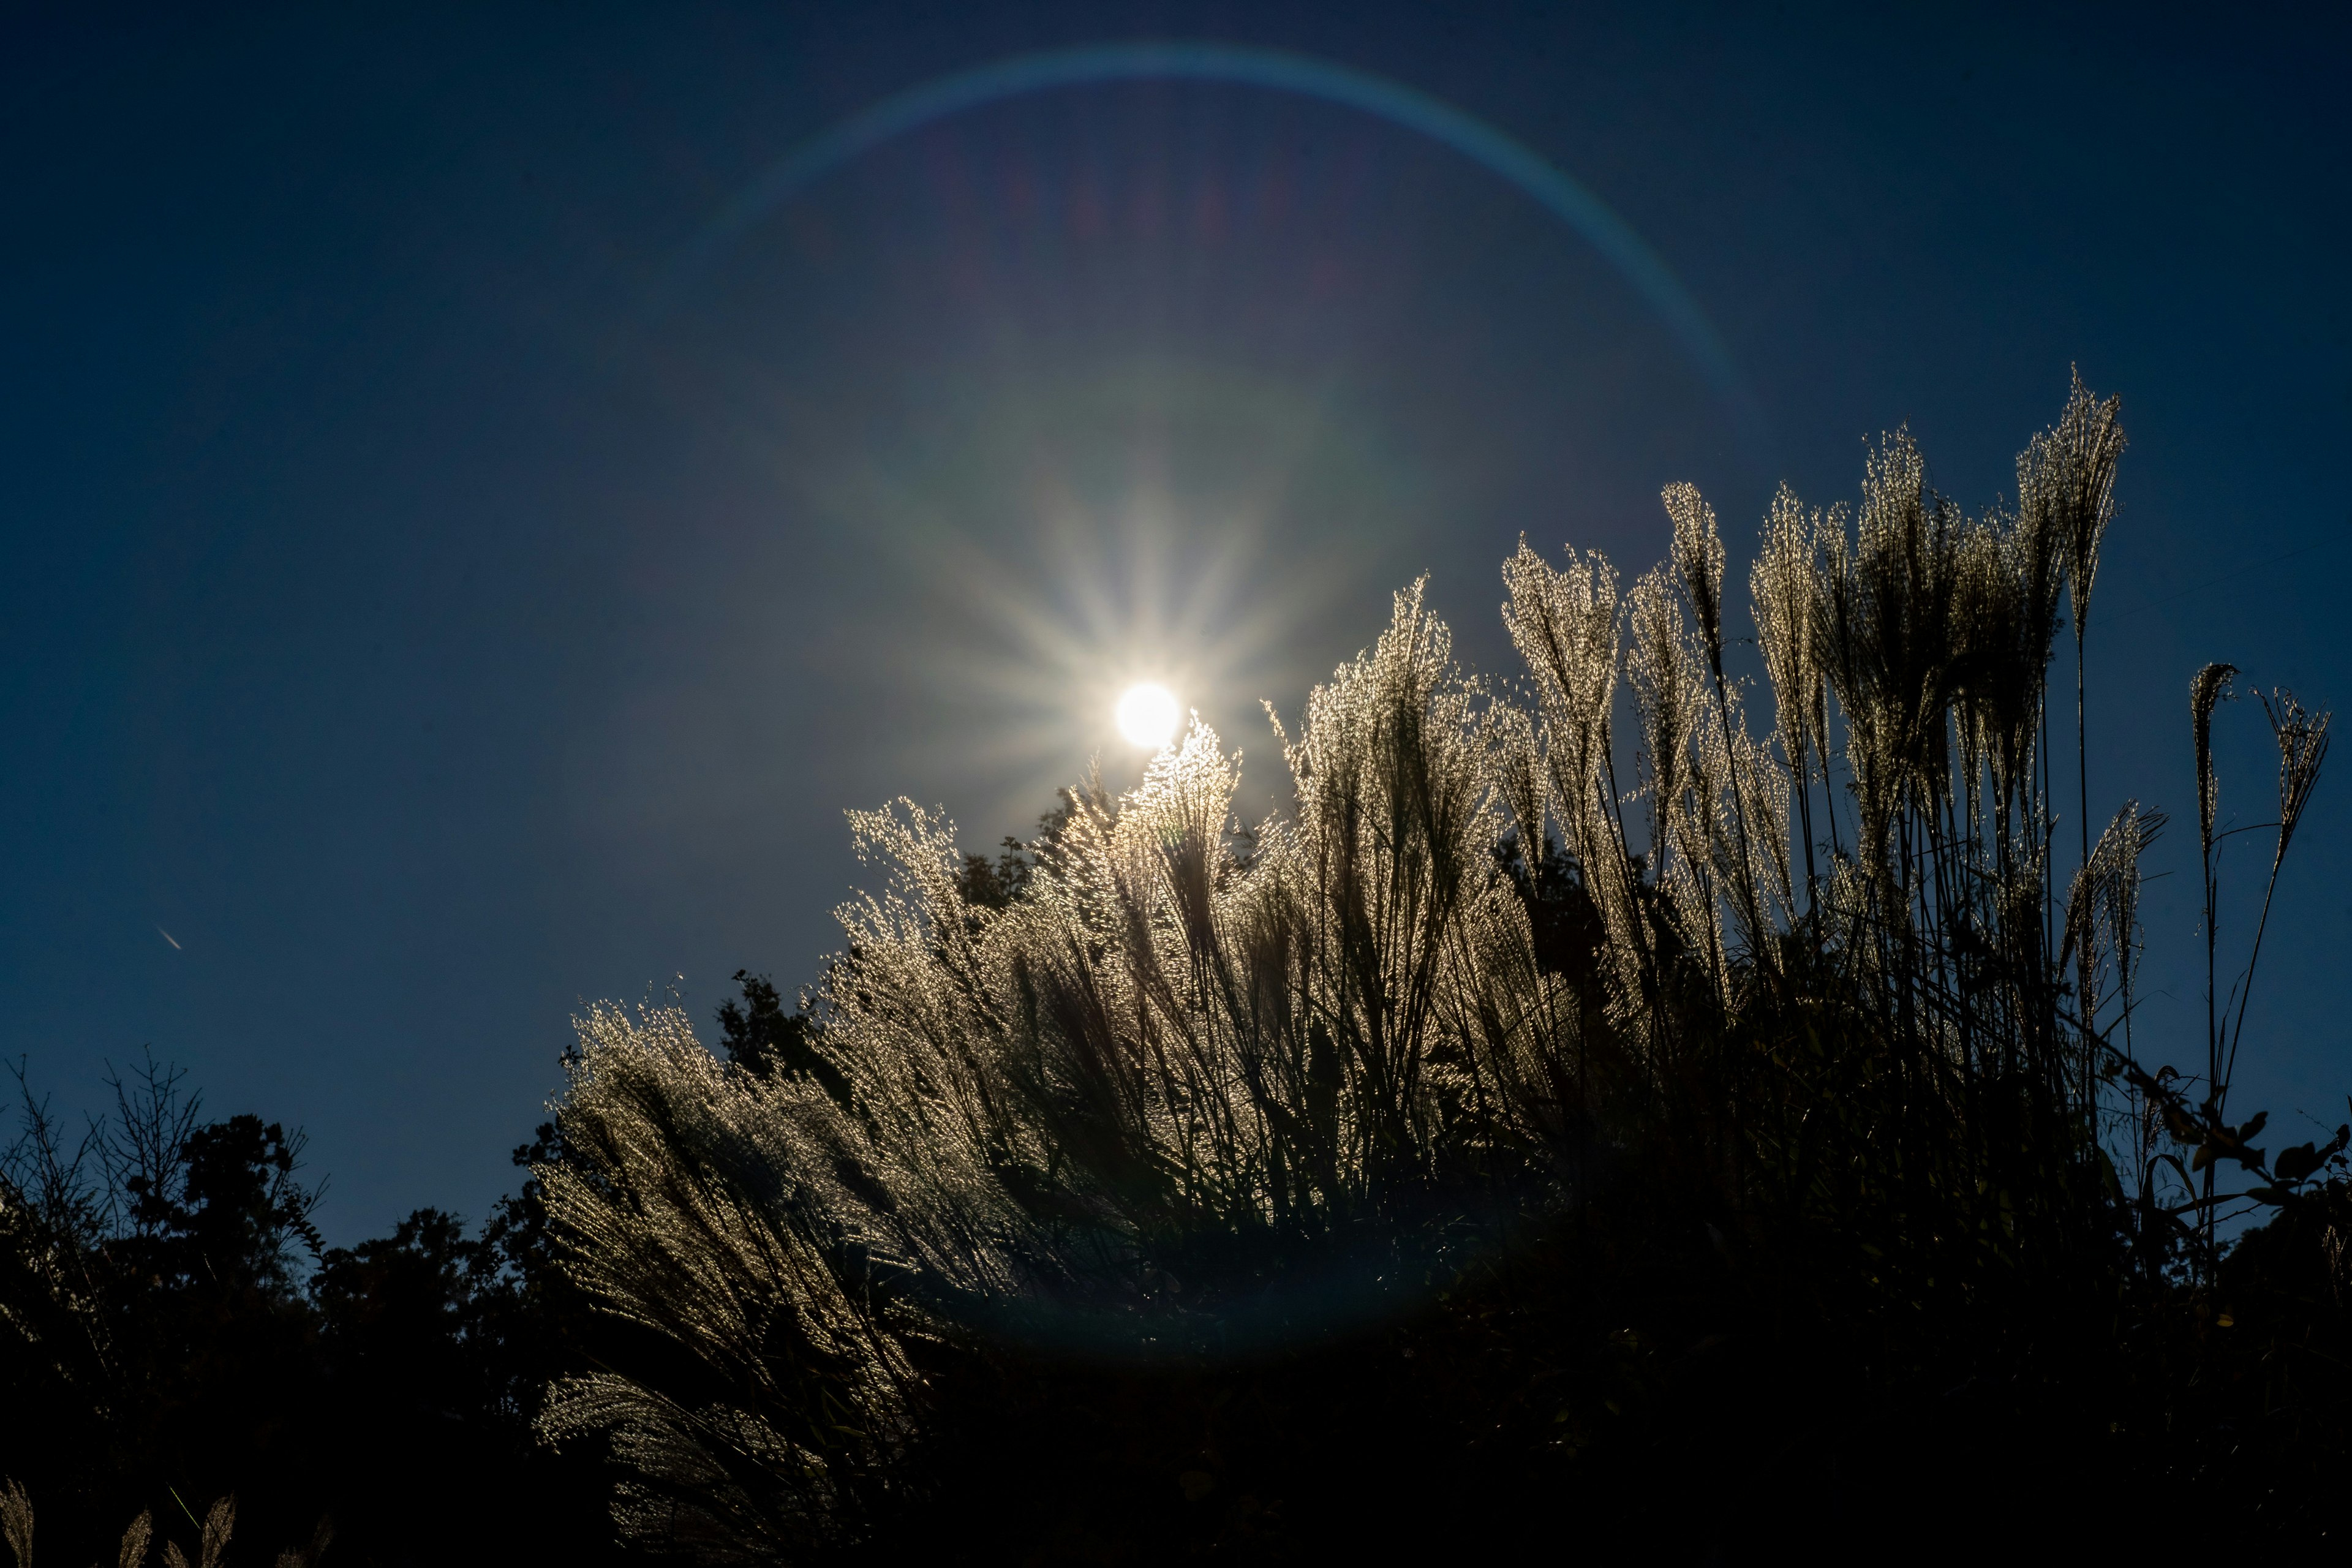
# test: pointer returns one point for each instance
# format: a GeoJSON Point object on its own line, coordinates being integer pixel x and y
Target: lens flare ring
{"type": "Point", "coordinates": [1277, 70]}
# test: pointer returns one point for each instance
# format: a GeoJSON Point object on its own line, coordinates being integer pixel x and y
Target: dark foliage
{"type": "Point", "coordinates": [180, 1336]}
{"type": "Point", "coordinates": [1671, 1371]}
{"type": "Point", "coordinates": [994, 885]}
{"type": "Point", "coordinates": [1567, 928]}
{"type": "Point", "coordinates": [763, 1039]}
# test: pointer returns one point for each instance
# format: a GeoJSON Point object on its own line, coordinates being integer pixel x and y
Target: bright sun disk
{"type": "Point", "coordinates": [1148, 715]}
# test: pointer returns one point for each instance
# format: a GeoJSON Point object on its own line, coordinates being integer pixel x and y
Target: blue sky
{"type": "Point", "coordinates": [434, 627]}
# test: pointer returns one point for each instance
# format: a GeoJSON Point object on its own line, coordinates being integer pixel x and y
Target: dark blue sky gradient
{"type": "Point", "coordinates": [432, 637]}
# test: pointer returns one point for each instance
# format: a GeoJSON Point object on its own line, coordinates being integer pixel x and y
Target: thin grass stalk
{"type": "Point", "coordinates": [2302, 748]}
{"type": "Point", "coordinates": [2210, 685]}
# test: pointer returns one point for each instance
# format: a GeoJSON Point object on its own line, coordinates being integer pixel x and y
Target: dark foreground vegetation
{"type": "Point", "coordinates": [1729, 1142]}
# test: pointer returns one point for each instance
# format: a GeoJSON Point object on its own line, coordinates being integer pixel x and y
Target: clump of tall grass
{"type": "Point", "coordinates": [1826, 989]}
{"type": "Point", "coordinates": [212, 1535]}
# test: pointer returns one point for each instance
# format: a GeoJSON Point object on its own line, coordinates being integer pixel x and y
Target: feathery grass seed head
{"type": "Point", "coordinates": [2210, 685]}
{"type": "Point", "coordinates": [2302, 738]}
{"type": "Point", "coordinates": [17, 1522]}
{"type": "Point", "coordinates": [1699, 559]}
{"type": "Point", "coordinates": [133, 1551]}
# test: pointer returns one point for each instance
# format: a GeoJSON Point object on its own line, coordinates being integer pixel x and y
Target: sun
{"type": "Point", "coordinates": [1147, 716]}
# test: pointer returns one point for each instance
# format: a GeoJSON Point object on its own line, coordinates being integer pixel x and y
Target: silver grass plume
{"type": "Point", "coordinates": [718, 1247]}
{"type": "Point", "coordinates": [1985, 613]}
{"type": "Point", "coordinates": [220, 1519]}
{"type": "Point", "coordinates": [2014, 648]}
{"type": "Point", "coordinates": [1850, 667]}
{"type": "Point", "coordinates": [2041, 540]}
{"type": "Point", "coordinates": [1519, 758]}
{"type": "Point", "coordinates": [1665, 694]}
{"type": "Point", "coordinates": [2134, 829]}
{"type": "Point", "coordinates": [1744, 867]}
{"type": "Point", "coordinates": [2103, 914]}
{"type": "Point", "coordinates": [1889, 638]}
{"type": "Point", "coordinates": [17, 1522]}
{"type": "Point", "coordinates": [1784, 587]}
{"type": "Point", "coordinates": [1699, 559]}
{"type": "Point", "coordinates": [2007, 571]}
{"type": "Point", "coordinates": [1565, 624]}
{"type": "Point", "coordinates": [2066, 482]}
{"type": "Point", "coordinates": [133, 1551]}
{"type": "Point", "coordinates": [1751, 828]}
{"type": "Point", "coordinates": [2210, 685]}
{"type": "Point", "coordinates": [2301, 739]}
{"type": "Point", "coordinates": [1390, 794]}
{"type": "Point", "coordinates": [1684, 781]}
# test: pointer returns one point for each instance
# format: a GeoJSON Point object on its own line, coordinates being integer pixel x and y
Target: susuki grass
{"type": "Point", "coordinates": [212, 1536]}
{"type": "Point", "coordinates": [1794, 1028]}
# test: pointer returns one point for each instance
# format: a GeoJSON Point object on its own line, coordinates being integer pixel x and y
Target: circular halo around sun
{"type": "Point", "coordinates": [1147, 716]}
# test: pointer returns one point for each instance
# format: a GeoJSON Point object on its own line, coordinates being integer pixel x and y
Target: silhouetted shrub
{"type": "Point", "coordinates": [175, 1333]}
